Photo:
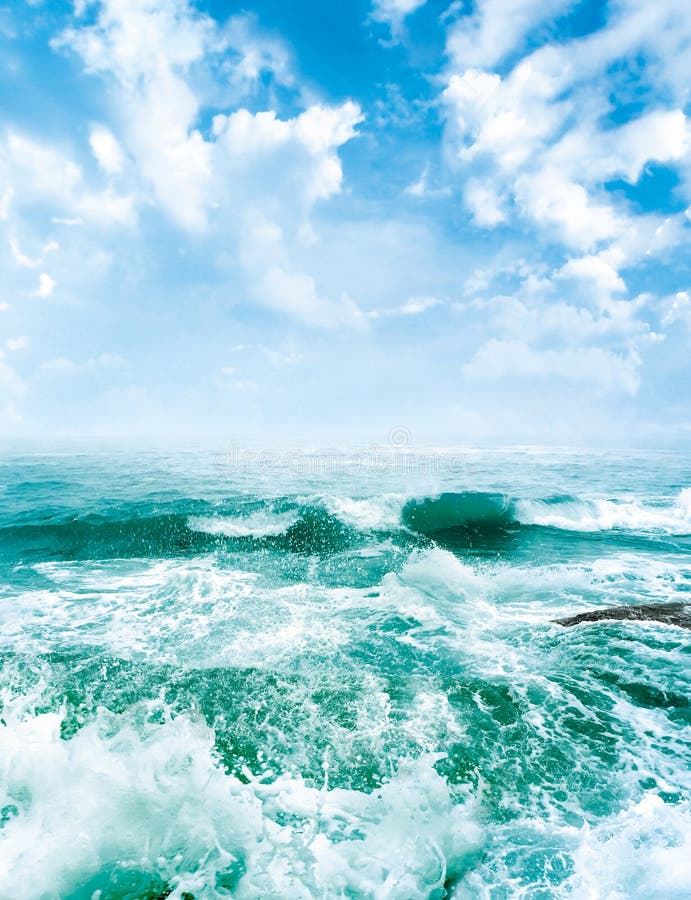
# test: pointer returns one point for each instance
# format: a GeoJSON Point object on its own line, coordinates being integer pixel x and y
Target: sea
{"type": "Point", "coordinates": [372, 672]}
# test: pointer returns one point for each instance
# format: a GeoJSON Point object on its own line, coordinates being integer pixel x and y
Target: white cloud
{"type": "Point", "coordinates": [415, 306]}
{"type": "Point", "coordinates": [106, 149]}
{"type": "Point", "coordinates": [148, 48]}
{"type": "Point", "coordinates": [418, 188]}
{"type": "Point", "coordinates": [678, 310]}
{"type": "Point", "coordinates": [594, 154]}
{"type": "Point", "coordinates": [270, 151]}
{"type": "Point", "coordinates": [46, 286]}
{"type": "Point", "coordinates": [296, 293]}
{"type": "Point", "coordinates": [533, 146]}
{"type": "Point", "coordinates": [507, 120]}
{"type": "Point", "coordinates": [565, 324]}
{"type": "Point", "coordinates": [536, 135]}
{"type": "Point", "coordinates": [41, 173]}
{"type": "Point", "coordinates": [28, 262]}
{"type": "Point", "coordinates": [254, 179]}
{"type": "Point", "coordinates": [604, 369]}
{"type": "Point", "coordinates": [598, 271]}
{"type": "Point", "coordinates": [394, 12]}
{"type": "Point", "coordinates": [496, 27]}
{"type": "Point", "coordinates": [18, 343]}
{"type": "Point", "coordinates": [20, 258]}
{"type": "Point", "coordinates": [228, 380]}
{"type": "Point", "coordinates": [484, 203]}
{"type": "Point", "coordinates": [565, 208]}
{"type": "Point", "coordinates": [258, 53]}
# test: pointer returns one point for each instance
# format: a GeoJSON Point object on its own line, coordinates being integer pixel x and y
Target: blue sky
{"type": "Point", "coordinates": [304, 220]}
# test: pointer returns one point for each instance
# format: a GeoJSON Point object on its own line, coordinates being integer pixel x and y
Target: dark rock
{"type": "Point", "coordinates": [678, 614]}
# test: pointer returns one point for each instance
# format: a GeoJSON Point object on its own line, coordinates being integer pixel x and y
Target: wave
{"type": "Point", "coordinates": [159, 816]}
{"type": "Point", "coordinates": [260, 524]}
{"type": "Point", "coordinates": [487, 513]}
{"type": "Point", "coordinates": [471, 511]}
{"type": "Point", "coordinates": [331, 524]}
{"type": "Point", "coordinates": [574, 514]}
{"type": "Point", "coordinates": [379, 513]}
{"type": "Point", "coordinates": [303, 530]}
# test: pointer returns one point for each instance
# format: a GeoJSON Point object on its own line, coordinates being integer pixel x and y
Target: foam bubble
{"type": "Point", "coordinates": [136, 802]}
{"type": "Point", "coordinates": [369, 514]}
{"type": "Point", "coordinates": [263, 523]}
{"type": "Point", "coordinates": [185, 611]}
{"type": "Point", "coordinates": [604, 515]}
{"type": "Point", "coordinates": [642, 852]}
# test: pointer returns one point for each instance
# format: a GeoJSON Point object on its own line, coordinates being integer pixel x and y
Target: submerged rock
{"type": "Point", "coordinates": [678, 614]}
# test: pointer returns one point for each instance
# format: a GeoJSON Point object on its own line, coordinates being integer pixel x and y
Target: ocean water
{"type": "Point", "coordinates": [341, 675]}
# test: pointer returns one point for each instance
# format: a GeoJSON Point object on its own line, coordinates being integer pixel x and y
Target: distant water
{"type": "Point", "coordinates": [310, 677]}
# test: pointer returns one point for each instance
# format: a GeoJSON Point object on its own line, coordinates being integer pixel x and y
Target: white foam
{"type": "Point", "coordinates": [203, 613]}
{"type": "Point", "coordinates": [152, 798]}
{"type": "Point", "coordinates": [185, 611]}
{"type": "Point", "coordinates": [370, 514]}
{"type": "Point", "coordinates": [640, 853]}
{"type": "Point", "coordinates": [670, 517]}
{"type": "Point", "coordinates": [263, 523]}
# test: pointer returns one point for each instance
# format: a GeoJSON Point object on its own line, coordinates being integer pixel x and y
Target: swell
{"type": "Point", "coordinates": [491, 513]}
{"type": "Point", "coordinates": [312, 531]}
{"type": "Point", "coordinates": [468, 520]}
{"type": "Point", "coordinates": [477, 512]}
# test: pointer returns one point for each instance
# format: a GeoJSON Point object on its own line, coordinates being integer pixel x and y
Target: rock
{"type": "Point", "coordinates": [678, 614]}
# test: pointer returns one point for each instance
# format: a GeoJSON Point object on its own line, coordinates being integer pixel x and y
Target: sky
{"type": "Point", "coordinates": [297, 219]}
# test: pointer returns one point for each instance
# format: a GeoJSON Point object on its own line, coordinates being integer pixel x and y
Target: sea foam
{"type": "Point", "coordinates": [672, 517]}
{"type": "Point", "coordinates": [139, 802]}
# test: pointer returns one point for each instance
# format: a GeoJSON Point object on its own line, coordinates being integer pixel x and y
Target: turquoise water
{"type": "Point", "coordinates": [340, 676]}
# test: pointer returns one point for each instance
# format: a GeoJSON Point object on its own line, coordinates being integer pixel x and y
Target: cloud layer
{"type": "Point", "coordinates": [483, 210]}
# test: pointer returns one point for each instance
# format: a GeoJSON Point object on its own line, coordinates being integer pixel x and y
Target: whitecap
{"type": "Point", "coordinates": [260, 524]}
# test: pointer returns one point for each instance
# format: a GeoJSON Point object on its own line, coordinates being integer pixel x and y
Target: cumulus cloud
{"type": "Point", "coordinates": [147, 48]}
{"type": "Point", "coordinates": [678, 310]}
{"type": "Point", "coordinates": [46, 286]}
{"type": "Point", "coordinates": [252, 178]}
{"type": "Point", "coordinates": [44, 174]}
{"type": "Point", "coordinates": [106, 149]}
{"type": "Point", "coordinates": [605, 370]}
{"type": "Point", "coordinates": [596, 270]}
{"type": "Point", "coordinates": [496, 27]}
{"type": "Point", "coordinates": [485, 203]}
{"type": "Point", "coordinates": [537, 135]}
{"type": "Point", "coordinates": [536, 139]}
{"type": "Point", "coordinates": [297, 294]}
{"type": "Point", "coordinates": [394, 12]}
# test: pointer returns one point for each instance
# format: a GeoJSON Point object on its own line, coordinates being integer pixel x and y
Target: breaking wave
{"type": "Point", "coordinates": [573, 514]}
{"type": "Point", "coordinates": [157, 816]}
{"type": "Point", "coordinates": [486, 513]}
{"type": "Point", "coordinates": [330, 524]}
